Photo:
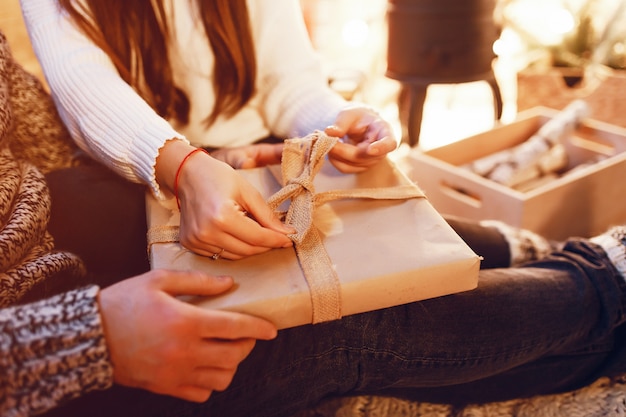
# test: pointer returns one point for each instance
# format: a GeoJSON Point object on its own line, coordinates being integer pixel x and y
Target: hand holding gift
{"type": "Point", "coordinates": [192, 352]}
{"type": "Point", "coordinates": [223, 214]}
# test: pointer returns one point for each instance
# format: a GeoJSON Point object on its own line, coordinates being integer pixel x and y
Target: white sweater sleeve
{"type": "Point", "coordinates": [110, 121]}
{"type": "Point", "coordinates": [295, 98]}
{"type": "Point", "coordinates": [106, 117]}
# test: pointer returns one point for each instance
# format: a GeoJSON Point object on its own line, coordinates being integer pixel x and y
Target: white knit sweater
{"type": "Point", "coordinates": [115, 125]}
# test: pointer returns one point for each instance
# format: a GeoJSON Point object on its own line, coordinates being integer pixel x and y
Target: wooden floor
{"type": "Point", "coordinates": [12, 25]}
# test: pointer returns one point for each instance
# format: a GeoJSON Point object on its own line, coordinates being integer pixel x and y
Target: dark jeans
{"type": "Point", "coordinates": [549, 326]}
{"type": "Point", "coordinates": [102, 218]}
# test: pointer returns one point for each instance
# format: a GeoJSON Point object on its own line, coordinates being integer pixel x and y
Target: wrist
{"type": "Point", "coordinates": [189, 155]}
{"type": "Point", "coordinates": [168, 161]}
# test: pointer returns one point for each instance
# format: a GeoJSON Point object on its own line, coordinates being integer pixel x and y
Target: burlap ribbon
{"type": "Point", "coordinates": [302, 159]}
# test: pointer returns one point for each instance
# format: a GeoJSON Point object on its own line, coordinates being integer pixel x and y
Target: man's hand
{"type": "Point", "coordinates": [162, 344]}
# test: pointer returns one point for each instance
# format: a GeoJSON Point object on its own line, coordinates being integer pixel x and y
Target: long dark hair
{"type": "Point", "coordinates": [134, 33]}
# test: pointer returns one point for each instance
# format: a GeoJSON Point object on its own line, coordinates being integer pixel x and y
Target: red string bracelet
{"type": "Point", "coordinates": [180, 167]}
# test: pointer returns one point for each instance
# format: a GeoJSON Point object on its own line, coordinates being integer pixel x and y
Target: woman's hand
{"type": "Point", "coordinates": [367, 139]}
{"type": "Point", "coordinates": [221, 213]}
{"type": "Point", "coordinates": [167, 346]}
{"type": "Point", "coordinates": [250, 156]}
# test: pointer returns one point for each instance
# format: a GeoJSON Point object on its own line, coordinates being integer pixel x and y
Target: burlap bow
{"type": "Point", "coordinates": [302, 159]}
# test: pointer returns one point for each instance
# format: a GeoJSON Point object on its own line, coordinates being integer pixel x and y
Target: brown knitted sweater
{"type": "Point", "coordinates": [51, 350]}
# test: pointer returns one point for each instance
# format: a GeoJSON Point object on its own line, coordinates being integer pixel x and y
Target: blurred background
{"type": "Point", "coordinates": [568, 47]}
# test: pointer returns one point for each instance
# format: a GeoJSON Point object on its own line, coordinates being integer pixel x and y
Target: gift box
{"type": "Point", "coordinates": [583, 200]}
{"type": "Point", "coordinates": [384, 251]}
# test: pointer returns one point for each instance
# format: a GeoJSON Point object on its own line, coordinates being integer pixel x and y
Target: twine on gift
{"type": "Point", "coordinates": [163, 234]}
{"type": "Point", "coordinates": [302, 159]}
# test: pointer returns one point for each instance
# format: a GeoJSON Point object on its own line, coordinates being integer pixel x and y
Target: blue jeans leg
{"type": "Point", "coordinates": [542, 328]}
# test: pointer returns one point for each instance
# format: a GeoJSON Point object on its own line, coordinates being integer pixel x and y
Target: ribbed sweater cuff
{"type": "Point", "coordinates": [524, 245]}
{"type": "Point", "coordinates": [51, 351]}
{"type": "Point", "coordinates": [613, 242]}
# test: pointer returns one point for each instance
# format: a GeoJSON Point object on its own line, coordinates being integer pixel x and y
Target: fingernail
{"type": "Point", "coordinates": [223, 278]}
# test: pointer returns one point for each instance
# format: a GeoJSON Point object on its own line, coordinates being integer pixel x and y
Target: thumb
{"type": "Point", "coordinates": [269, 154]}
{"type": "Point", "coordinates": [263, 214]}
{"type": "Point", "coordinates": [192, 283]}
{"type": "Point", "coordinates": [346, 122]}
{"type": "Point", "coordinates": [335, 131]}
{"type": "Point", "coordinates": [247, 163]}
{"type": "Point", "coordinates": [239, 160]}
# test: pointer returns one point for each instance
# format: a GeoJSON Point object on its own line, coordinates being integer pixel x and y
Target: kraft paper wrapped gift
{"type": "Point", "coordinates": [384, 243]}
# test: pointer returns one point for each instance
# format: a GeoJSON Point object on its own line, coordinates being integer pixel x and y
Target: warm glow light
{"type": "Point", "coordinates": [547, 22]}
{"type": "Point", "coordinates": [508, 44]}
{"type": "Point", "coordinates": [562, 21]}
{"type": "Point", "coordinates": [355, 33]}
